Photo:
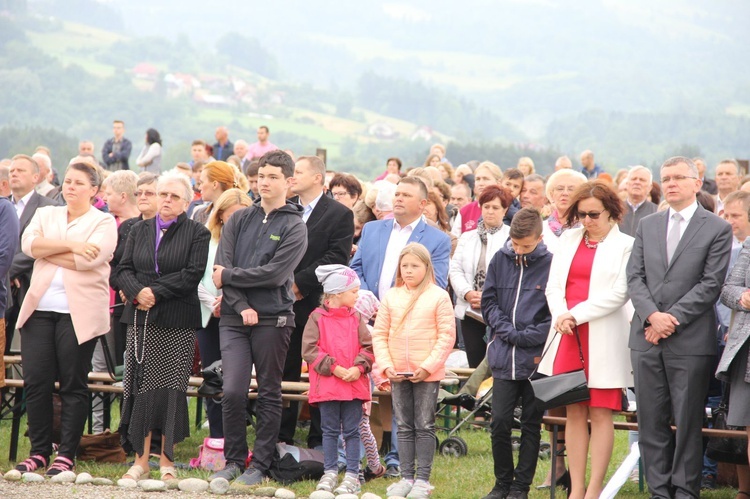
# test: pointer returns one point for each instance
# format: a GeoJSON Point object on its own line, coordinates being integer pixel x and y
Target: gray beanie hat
{"type": "Point", "coordinates": [336, 278]}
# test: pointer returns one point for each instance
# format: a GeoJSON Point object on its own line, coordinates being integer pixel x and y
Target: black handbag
{"type": "Point", "coordinates": [726, 449]}
{"type": "Point", "coordinates": [561, 389]}
{"type": "Point", "coordinates": [213, 379]}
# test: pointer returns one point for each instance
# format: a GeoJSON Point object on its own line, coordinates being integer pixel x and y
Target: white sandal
{"type": "Point", "coordinates": [134, 473]}
{"type": "Point", "coordinates": [168, 471]}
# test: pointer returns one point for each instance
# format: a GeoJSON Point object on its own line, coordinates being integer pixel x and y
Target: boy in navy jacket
{"type": "Point", "coordinates": [514, 307]}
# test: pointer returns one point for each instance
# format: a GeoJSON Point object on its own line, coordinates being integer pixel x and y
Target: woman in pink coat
{"type": "Point", "coordinates": [64, 311]}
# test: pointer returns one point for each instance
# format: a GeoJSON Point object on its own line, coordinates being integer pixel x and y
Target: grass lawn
{"type": "Point", "coordinates": [465, 477]}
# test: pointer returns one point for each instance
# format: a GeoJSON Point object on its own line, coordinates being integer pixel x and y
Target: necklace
{"type": "Point", "coordinates": [589, 245]}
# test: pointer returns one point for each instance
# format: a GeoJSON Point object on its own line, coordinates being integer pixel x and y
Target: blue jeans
{"type": "Point", "coordinates": [414, 407]}
{"type": "Point", "coordinates": [340, 417]}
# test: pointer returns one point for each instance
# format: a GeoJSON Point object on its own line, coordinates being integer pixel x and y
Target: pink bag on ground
{"type": "Point", "coordinates": [211, 455]}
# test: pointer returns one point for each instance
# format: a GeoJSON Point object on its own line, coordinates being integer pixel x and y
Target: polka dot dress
{"type": "Point", "coordinates": [155, 389]}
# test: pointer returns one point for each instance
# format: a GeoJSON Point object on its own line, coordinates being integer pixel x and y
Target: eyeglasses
{"type": "Point", "coordinates": [148, 194]}
{"type": "Point", "coordinates": [676, 178]}
{"type": "Point", "coordinates": [593, 215]}
{"type": "Point", "coordinates": [341, 194]}
{"type": "Point", "coordinates": [169, 195]}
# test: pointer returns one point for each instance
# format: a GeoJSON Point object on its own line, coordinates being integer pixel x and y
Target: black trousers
{"type": "Point", "coordinates": [473, 333]}
{"type": "Point", "coordinates": [292, 372]}
{"type": "Point", "coordinates": [505, 395]}
{"type": "Point", "coordinates": [50, 352]}
{"type": "Point", "coordinates": [210, 351]}
{"type": "Point", "coordinates": [241, 348]}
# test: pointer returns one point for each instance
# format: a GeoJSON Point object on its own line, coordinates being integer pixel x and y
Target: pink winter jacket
{"type": "Point", "coordinates": [426, 338]}
{"type": "Point", "coordinates": [337, 337]}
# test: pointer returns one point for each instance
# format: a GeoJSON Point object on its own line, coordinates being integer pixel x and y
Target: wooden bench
{"type": "Point", "coordinates": [553, 424]}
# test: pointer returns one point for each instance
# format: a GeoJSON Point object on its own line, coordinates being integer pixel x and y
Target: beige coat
{"type": "Point", "coordinates": [86, 288]}
{"type": "Point", "coordinates": [605, 311]}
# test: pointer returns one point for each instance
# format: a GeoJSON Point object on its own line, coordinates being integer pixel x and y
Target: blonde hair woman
{"type": "Point", "coordinates": [215, 178]}
{"type": "Point", "coordinates": [229, 202]}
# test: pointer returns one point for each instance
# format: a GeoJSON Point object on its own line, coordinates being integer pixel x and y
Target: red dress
{"type": "Point", "coordinates": [567, 358]}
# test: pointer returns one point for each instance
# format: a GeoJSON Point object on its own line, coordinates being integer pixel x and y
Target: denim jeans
{"type": "Point", "coordinates": [414, 407]}
{"type": "Point", "coordinates": [340, 418]}
{"type": "Point", "coordinates": [505, 395]}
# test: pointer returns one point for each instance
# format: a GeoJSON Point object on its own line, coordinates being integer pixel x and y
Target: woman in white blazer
{"type": "Point", "coordinates": [587, 296]}
{"type": "Point", "coordinates": [469, 264]}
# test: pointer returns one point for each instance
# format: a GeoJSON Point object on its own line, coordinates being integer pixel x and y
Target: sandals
{"type": "Point", "coordinates": [168, 473]}
{"type": "Point", "coordinates": [134, 473]}
{"type": "Point", "coordinates": [59, 465]}
{"type": "Point", "coordinates": [33, 463]}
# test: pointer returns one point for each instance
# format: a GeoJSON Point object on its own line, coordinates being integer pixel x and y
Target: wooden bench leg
{"type": "Point", "coordinates": [18, 410]}
{"type": "Point", "coordinates": [553, 475]}
{"type": "Point", "coordinates": [198, 412]}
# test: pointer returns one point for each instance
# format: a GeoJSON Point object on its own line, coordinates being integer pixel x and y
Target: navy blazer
{"type": "Point", "coordinates": [368, 260]}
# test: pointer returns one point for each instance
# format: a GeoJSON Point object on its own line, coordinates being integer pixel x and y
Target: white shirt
{"type": "Point", "coordinates": [55, 299]}
{"type": "Point", "coordinates": [310, 207]}
{"type": "Point", "coordinates": [396, 242]}
{"type": "Point", "coordinates": [21, 204]}
{"type": "Point", "coordinates": [635, 207]}
{"type": "Point", "coordinates": [687, 214]}
{"type": "Point", "coordinates": [719, 205]}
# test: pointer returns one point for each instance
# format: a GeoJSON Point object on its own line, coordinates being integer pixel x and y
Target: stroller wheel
{"type": "Point", "coordinates": [515, 443]}
{"type": "Point", "coordinates": [545, 451]}
{"type": "Point", "coordinates": [454, 447]}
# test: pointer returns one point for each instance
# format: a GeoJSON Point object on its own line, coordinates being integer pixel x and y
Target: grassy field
{"type": "Point", "coordinates": [465, 477]}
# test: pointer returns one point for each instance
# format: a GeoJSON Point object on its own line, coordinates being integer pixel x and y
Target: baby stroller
{"type": "Point", "coordinates": [480, 383]}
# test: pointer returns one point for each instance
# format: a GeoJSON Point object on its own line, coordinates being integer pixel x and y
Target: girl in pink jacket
{"type": "Point", "coordinates": [413, 335]}
{"type": "Point", "coordinates": [337, 346]}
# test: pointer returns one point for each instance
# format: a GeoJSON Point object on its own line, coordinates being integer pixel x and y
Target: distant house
{"type": "Point", "coordinates": [145, 71]}
{"type": "Point", "coordinates": [382, 130]}
{"type": "Point", "coordinates": [181, 84]}
{"type": "Point", "coordinates": [212, 100]}
{"type": "Point", "coordinates": [423, 132]}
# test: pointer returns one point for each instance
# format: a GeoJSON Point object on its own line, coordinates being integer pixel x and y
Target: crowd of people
{"type": "Point", "coordinates": [275, 265]}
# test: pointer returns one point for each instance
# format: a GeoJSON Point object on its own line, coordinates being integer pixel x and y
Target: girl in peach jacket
{"type": "Point", "coordinates": [413, 335]}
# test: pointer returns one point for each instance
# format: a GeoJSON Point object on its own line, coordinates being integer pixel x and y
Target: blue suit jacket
{"type": "Point", "coordinates": [368, 260]}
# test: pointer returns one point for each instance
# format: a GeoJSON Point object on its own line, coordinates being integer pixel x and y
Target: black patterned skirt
{"type": "Point", "coordinates": [157, 371]}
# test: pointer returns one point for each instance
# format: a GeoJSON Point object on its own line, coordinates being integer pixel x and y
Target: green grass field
{"type": "Point", "coordinates": [465, 477]}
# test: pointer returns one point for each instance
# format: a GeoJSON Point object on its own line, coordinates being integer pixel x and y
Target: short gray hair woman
{"type": "Point", "coordinates": [164, 260]}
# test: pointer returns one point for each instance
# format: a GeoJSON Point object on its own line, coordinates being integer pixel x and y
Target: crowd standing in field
{"type": "Point", "coordinates": [276, 266]}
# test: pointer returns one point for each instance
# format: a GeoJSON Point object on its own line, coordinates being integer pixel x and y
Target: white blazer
{"type": "Point", "coordinates": [464, 263]}
{"type": "Point", "coordinates": [605, 310]}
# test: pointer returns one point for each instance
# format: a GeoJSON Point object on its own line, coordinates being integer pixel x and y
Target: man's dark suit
{"type": "Point", "coordinates": [22, 266]}
{"type": "Point", "coordinates": [671, 378]}
{"type": "Point", "coordinates": [709, 185]}
{"type": "Point", "coordinates": [330, 230]}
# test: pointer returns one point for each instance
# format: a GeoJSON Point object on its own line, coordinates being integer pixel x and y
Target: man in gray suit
{"type": "Point", "coordinates": [24, 176]}
{"type": "Point", "coordinates": [675, 274]}
{"type": "Point", "coordinates": [637, 205]}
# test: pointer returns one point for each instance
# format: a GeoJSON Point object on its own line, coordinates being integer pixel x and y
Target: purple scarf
{"type": "Point", "coordinates": [160, 226]}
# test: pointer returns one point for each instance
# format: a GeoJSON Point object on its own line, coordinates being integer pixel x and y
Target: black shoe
{"type": "Point", "coordinates": [708, 482]}
{"type": "Point", "coordinates": [393, 472]}
{"type": "Point", "coordinates": [230, 472]}
{"type": "Point", "coordinates": [517, 494]}
{"type": "Point", "coordinates": [497, 493]}
{"type": "Point", "coordinates": [251, 477]}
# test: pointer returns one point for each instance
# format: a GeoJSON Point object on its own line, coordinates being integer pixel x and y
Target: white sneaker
{"type": "Point", "coordinates": [400, 488]}
{"type": "Point", "coordinates": [328, 481]}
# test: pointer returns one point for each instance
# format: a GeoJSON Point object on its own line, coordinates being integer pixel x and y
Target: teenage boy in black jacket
{"type": "Point", "coordinates": [259, 249]}
{"type": "Point", "coordinates": [514, 306]}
